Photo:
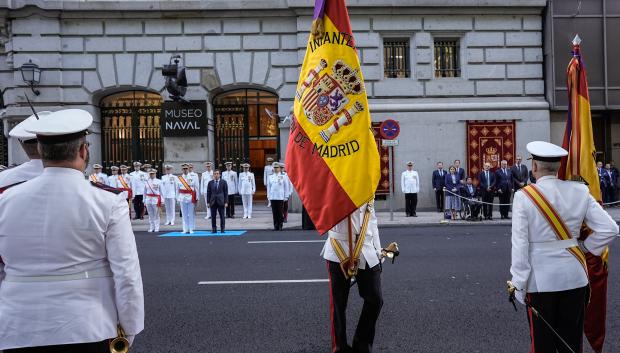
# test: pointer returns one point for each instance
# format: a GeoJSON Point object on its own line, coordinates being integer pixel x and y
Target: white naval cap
{"type": "Point", "coordinates": [97, 166]}
{"type": "Point", "coordinates": [19, 131]}
{"type": "Point", "coordinates": [209, 163]}
{"type": "Point", "coordinates": [61, 126]}
{"type": "Point", "coordinates": [168, 166]}
{"type": "Point", "coordinates": [246, 165]}
{"type": "Point", "coordinates": [276, 164]}
{"type": "Point", "coordinates": [410, 163]}
{"type": "Point", "coordinates": [545, 151]}
{"type": "Point", "coordinates": [114, 167]}
{"type": "Point", "coordinates": [152, 171]}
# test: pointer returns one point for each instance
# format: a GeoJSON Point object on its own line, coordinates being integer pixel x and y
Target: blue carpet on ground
{"type": "Point", "coordinates": [201, 233]}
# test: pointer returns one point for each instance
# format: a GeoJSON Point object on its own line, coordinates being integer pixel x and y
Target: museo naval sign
{"type": "Point", "coordinates": [181, 119]}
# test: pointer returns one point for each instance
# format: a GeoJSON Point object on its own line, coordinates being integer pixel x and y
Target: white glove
{"type": "Point", "coordinates": [130, 339]}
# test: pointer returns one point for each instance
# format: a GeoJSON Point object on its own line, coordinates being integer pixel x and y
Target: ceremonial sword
{"type": "Point", "coordinates": [511, 298]}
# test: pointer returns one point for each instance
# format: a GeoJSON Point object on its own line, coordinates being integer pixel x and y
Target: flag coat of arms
{"type": "Point", "coordinates": [580, 164]}
{"type": "Point", "coordinates": [332, 157]}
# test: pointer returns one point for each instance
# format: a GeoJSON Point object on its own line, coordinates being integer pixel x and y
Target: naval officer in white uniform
{"type": "Point", "coordinates": [410, 185]}
{"type": "Point", "coordinates": [247, 188]}
{"type": "Point", "coordinates": [169, 193]}
{"type": "Point", "coordinates": [28, 141]}
{"type": "Point", "coordinates": [545, 271]}
{"type": "Point", "coordinates": [205, 178]}
{"type": "Point", "coordinates": [138, 179]}
{"type": "Point", "coordinates": [187, 194]}
{"type": "Point", "coordinates": [69, 278]}
{"type": "Point", "coordinates": [232, 181]}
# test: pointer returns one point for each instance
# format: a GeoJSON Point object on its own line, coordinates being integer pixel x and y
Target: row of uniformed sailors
{"type": "Point", "coordinates": [138, 184]}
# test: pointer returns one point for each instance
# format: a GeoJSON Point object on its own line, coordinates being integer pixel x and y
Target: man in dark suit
{"type": "Point", "coordinates": [438, 184]}
{"type": "Point", "coordinates": [505, 188]}
{"type": "Point", "coordinates": [460, 172]}
{"type": "Point", "coordinates": [472, 194]}
{"type": "Point", "coordinates": [217, 198]}
{"type": "Point", "coordinates": [602, 181]}
{"type": "Point", "coordinates": [486, 180]}
{"type": "Point", "coordinates": [519, 174]}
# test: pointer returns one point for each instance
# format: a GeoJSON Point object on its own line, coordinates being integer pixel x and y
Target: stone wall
{"type": "Point", "coordinates": [91, 50]}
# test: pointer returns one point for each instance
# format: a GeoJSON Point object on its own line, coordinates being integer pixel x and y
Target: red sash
{"type": "Point", "coordinates": [154, 194]}
{"type": "Point", "coordinates": [188, 189]}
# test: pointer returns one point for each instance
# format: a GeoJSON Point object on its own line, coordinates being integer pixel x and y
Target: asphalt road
{"type": "Point", "coordinates": [445, 293]}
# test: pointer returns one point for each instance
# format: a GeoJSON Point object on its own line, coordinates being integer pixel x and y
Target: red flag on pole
{"type": "Point", "coordinates": [580, 164]}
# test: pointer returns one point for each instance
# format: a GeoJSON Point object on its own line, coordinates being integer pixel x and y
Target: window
{"type": "Point", "coordinates": [396, 58]}
{"type": "Point", "coordinates": [447, 61]}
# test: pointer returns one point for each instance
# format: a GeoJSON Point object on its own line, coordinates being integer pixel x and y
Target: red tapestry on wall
{"type": "Point", "coordinates": [489, 141]}
{"type": "Point", "coordinates": [384, 183]}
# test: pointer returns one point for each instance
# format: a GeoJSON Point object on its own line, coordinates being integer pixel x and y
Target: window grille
{"type": "Point", "coordinates": [396, 58]}
{"type": "Point", "coordinates": [447, 61]}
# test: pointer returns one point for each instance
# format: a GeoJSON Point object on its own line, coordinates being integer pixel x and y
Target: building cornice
{"type": "Point", "coordinates": [232, 5]}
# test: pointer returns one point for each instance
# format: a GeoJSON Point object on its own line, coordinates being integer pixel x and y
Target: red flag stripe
{"type": "Point", "coordinates": [338, 14]}
{"type": "Point", "coordinates": [301, 161]}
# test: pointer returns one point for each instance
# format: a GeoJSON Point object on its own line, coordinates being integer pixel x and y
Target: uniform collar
{"type": "Point", "coordinates": [546, 177]}
{"type": "Point", "coordinates": [62, 171]}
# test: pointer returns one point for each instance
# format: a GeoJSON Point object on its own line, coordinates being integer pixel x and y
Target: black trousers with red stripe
{"type": "Point", "coordinates": [564, 311]}
{"type": "Point", "coordinates": [369, 286]}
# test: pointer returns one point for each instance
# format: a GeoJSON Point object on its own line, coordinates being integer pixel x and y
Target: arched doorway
{"type": "Point", "coordinates": [131, 129]}
{"type": "Point", "coordinates": [245, 132]}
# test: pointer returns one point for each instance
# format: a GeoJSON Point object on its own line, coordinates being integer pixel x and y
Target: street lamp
{"type": "Point", "coordinates": [31, 74]}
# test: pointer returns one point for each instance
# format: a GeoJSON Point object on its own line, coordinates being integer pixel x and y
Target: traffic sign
{"type": "Point", "coordinates": [386, 143]}
{"type": "Point", "coordinates": [389, 129]}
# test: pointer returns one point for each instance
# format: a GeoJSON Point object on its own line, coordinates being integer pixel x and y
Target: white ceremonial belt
{"type": "Point", "coordinates": [554, 245]}
{"type": "Point", "coordinates": [96, 273]}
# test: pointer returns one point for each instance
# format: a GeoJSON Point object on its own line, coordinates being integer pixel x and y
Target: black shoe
{"type": "Point", "coordinates": [222, 231]}
{"type": "Point", "coordinates": [213, 230]}
{"type": "Point", "coordinates": [415, 215]}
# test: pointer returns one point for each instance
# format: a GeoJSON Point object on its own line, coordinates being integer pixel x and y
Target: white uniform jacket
{"type": "Point", "coordinates": [197, 177]}
{"type": "Point", "coordinates": [127, 179]}
{"type": "Point", "coordinates": [112, 181]}
{"type": "Point", "coordinates": [152, 187]}
{"type": "Point", "coordinates": [371, 250]}
{"type": "Point", "coordinates": [205, 178]}
{"type": "Point", "coordinates": [231, 180]}
{"type": "Point", "coordinates": [55, 226]}
{"type": "Point", "coordinates": [247, 184]}
{"type": "Point", "coordinates": [536, 265]}
{"type": "Point", "coordinates": [21, 173]}
{"type": "Point", "coordinates": [267, 173]}
{"type": "Point", "coordinates": [169, 186]}
{"type": "Point", "coordinates": [192, 182]}
{"type": "Point", "coordinates": [278, 187]}
{"type": "Point", "coordinates": [137, 182]}
{"type": "Point", "coordinates": [410, 182]}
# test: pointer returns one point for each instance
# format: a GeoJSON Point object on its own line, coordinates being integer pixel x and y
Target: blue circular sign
{"type": "Point", "coordinates": [389, 129]}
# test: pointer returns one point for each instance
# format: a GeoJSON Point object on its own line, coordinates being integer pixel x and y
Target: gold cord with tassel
{"type": "Point", "coordinates": [317, 29]}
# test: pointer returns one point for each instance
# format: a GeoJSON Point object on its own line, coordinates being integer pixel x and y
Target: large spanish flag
{"type": "Point", "coordinates": [580, 164]}
{"type": "Point", "coordinates": [332, 158]}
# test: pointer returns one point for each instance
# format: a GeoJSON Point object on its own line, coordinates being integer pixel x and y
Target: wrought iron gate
{"type": "Point", "coordinates": [231, 131]}
{"type": "Point", "coordinates": [131, 129]}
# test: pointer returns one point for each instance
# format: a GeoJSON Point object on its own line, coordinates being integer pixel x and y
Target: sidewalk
{"type": "Point", "coordinates": [262, 220]}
